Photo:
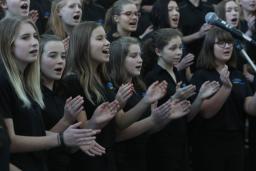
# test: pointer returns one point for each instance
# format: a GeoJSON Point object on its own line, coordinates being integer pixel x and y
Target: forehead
{"type": "Point", "coordinates": [54, 45]}
{"type": "Point", "coordinates": [174, 40]}
{"type": "Point", "coordinates": [134, 48]}
{"type": "Point", "coordinates": [172, 3]}
{"type": "Point", "coordinates": [68, 2]}
{"type": "Point", "coordinates": [24, 28]}
{"type": "Point", "coordinates": [98, 31]}
{"type": "Point", "coordinates": [231, 4]}
{"type": "Point", "coordinates": [13, 1]}
{"type": "Point", "coordinates": [136, 1]}
{"type": "Point", "coordinates": [129, 7]}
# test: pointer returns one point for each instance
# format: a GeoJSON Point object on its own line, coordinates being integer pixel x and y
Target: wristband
{"type": "Point", "coordinates": [61, 139]}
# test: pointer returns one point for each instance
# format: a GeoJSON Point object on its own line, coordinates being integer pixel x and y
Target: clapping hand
{"type": "Point", "coordinates": [156, 91]}
{"type": "Point", "coordinates": [33, 14]}
{"type": "Point", "coordinates": [184, 92]}
{"type": "Point", "coordinates": [73, 136]}
{"type": "Point", "coordinates": [104, 113]}
{"type": "Point", "coordinates": [124, 93]}
{"type": "Point", "coordinates": [224, 77]}
{"type": "Point", "coordinates": [208, 88]}
{"type": "Point", "coordinates": [72, 108]}
{"type": "Point", "coordinates": [93, 149]}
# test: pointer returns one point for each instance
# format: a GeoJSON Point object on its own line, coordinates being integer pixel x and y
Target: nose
{"type": "Point", "coordinates": [140, 60]}
{"type": "Point", "coordinates": [61, 60]}
{"type": "Point", "coordinates": [78, 9]}
{"type": "Point", "coordinates": [35, 42]}
{"type": "Point", "coordinates": [176, 12]}
{"type": "Point", "coordinates": [135, 16]}
{"type": "Point", "coordinates": [179, 51]}
{"type": "Point", "coordinates": [107, 43]}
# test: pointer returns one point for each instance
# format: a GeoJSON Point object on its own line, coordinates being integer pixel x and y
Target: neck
{"type": "Point", "coordinates": [123, 32]}
{"type": "Point", "coordinates": [68, 28]}
{"type": "Point", "coordinates": [128, 80]}
{"type": "Point", "coordinates": [164, 65]}
{"type": "Point", "coordinates": [195, 2]}
{"type": "Point", "coordinates": [94, 66]}
{"type": "Point", "coordinates": [48, 83]}
{"type": "Point", "coordinates": [21, 66]}
{"type": "Point", "coordinates": [220, 66]}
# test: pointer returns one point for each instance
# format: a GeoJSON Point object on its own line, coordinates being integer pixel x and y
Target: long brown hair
{"type": "Point", "coordinates": [79, 59]}
{"type": "Point", "coordinates": [119, 50]}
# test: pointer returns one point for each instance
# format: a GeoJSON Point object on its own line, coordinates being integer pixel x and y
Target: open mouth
{"type": "Point", "coordinates": [234, 20]}
{"type": "Point", "coordinates": [138, 67]}
{"type": "Point", "coordinates": [133, 23]}
{"type": "Point", "coordinates": [252, 5]}
{"type": "Point", "coordinates": [24, 6]}
{"type": "Point", "coordinates": [58, 69]}
{"type": "Point", "coordinates": [175, 19]}
{"type": "Point", "coordinates": [76, 17]}
{"type": "Point", "coordinates": [33, 51]}
{"type": "Point", "coordinates": [226, 53]}
{"type": "Point", "coordinates": [105, 51]}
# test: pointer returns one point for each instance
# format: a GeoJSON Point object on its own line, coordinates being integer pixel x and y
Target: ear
{"type": "Point", "coordinates": [158, 52]}
{"type": "Point", "coordinates": [116, 18]}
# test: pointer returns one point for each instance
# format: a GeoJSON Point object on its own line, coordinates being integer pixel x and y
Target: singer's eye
{"type": "Point", "coordinates": [223, 44]}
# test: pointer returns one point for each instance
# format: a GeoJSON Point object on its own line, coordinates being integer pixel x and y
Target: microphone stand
{"type": "Point", "coordinates": [245, 55]}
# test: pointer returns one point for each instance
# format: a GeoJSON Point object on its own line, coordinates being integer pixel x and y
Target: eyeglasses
{"type": "Point", "coordinates": [223, 44]}
{"type": "Point", "coordinates": [130, 13]}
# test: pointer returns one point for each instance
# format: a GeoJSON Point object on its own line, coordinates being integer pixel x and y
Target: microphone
{"type": "Point", "coordinates": [213, 19]}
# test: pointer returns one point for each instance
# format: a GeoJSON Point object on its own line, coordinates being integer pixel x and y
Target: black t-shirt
{"type": "Point", "coordinates": [105, 138]}
{"type": "Point", "coordinates": [231, 115]}
{"type": "Point", "coordinates": [44, 10]}
{"type": "Point", "coordinates": [93, 12]}
{"type": "Point", "coordinates": [191, 20]}
{"type": "Point", "coordinates": [4, 147]}
{"type": "Point", "coordinates": [168, 147]}
{"type": "Point", "coordinates": [131, 154]}
{"type": "Point", "coordinates": [54, 107]}
{"type": "Point", "coordinates": [57, 158]}
{"type": "Point", "coordinates": [176, 131]}
{"type": "Point", "coordinates": [26, 121]}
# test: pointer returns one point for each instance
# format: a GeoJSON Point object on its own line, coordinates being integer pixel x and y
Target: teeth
{"type": "Point", "coordinates": [24, 6]}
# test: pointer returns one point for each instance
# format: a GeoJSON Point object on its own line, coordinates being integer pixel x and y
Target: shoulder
{"type": "Point", "coordinates": [153, 75]}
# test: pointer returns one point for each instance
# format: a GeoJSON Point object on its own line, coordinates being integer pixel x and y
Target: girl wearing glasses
{"type": "Point", "coordinates": [121, 19]}
{"type": "Point", "coordinates": [217, 132]}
